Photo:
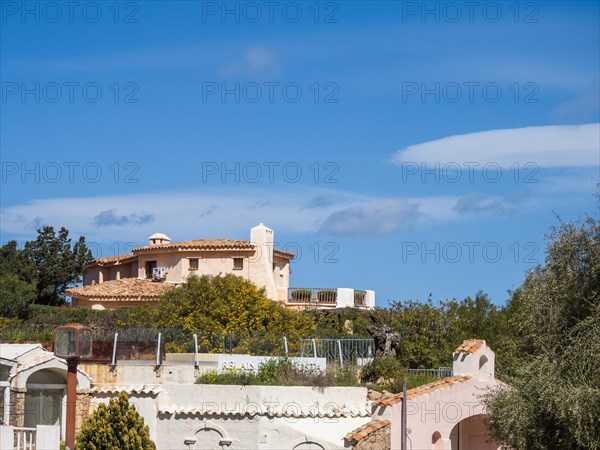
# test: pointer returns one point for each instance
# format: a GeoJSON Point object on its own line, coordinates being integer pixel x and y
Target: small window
{"type": "Point", "coordinates": [238, 263]}
{"type": "Point", "coordinates": [150, 266]}
{"type": "Point", "coordinates": [193, 263]}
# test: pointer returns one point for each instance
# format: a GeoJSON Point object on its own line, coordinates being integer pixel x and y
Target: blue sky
{"type": "Point", "coordinates": [405, 147]}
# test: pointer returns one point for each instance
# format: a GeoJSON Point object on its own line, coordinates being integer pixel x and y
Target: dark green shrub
{"type": "Point", "coordinates": [116, 425]}
{"type": "Point", "coordinates": [16, 296]}
{"type": "Point", "coordinates": [386, 368]}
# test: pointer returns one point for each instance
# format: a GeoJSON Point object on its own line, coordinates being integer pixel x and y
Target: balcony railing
{"type": "Point", "coordinates": [331, 297]}
{"type": "Point", "coordinates": [312, 295]}
{"type": "Point", "coordinates": [24, 438]}
{"type": "Point", "coordinates": [360, 298]}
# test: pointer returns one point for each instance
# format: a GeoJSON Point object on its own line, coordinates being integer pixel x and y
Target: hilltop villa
{"type": "Point", "coordinates": [143, 275]}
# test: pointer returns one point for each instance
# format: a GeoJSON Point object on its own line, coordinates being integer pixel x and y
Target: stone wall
{"type": "Point", "coordinates": [17, 408]}
{"type": "Point", "coordinates": [82, 409]}
{"type": "Point", "coordinates": [377, 440]}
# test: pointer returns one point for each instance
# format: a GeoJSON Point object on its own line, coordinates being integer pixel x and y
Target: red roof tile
{"type": "Point", "coordinates": [392, 399]}
{"type": "Point", "coordinates": [283, 254]}
{"type": "Point", "coordinates": [469, 346]}
{"type": "Point", "coordinates": [123, 289]}
{"type": "Point", "coordinates": [365, 430]}
{"type": "Point", "coordinates": [201, 244]}
{"type": "Point", "coordinates": [115, 259]}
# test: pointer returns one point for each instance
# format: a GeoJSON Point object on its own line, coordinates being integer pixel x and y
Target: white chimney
{"type": "Point", "coordinates": [262, 269]}
{"type": "Point", "coordinates": [159, 239]}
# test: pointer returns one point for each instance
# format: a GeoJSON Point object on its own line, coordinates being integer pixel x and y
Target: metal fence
{"type": "Point", "coordinates": [312, 295]}
{"type": "Point", "coordinates": [152, 346]}
{"type": "Point", "coordinates": [354, 351]}
{"type": "Point", "coordinates": [142, 344]}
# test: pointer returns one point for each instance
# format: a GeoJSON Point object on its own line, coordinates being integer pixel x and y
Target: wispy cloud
{"type": "Point", "coordinates": [110, 218]}
{"type": "Point", "coordinates": [581, 106]}
{"type": "Point", "coordinates": [323, 201]}
{"type": "Point", "coordinates": [476, 203]}
{"type": "Point", "coordinates": [545, 146]}
{"type": "Point", "coordinates": [229, 213]}
{"type": "Point", "coordinates": [255, 61]}
{"type": "Point", "coordinates": [376, 218]}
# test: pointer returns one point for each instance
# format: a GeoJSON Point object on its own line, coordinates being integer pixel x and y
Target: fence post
{"type": "Point", "coordinates": [314, 343]}
{"type": "Point", "coordinates": [340, 351]}
{"type": "Point", "coordinates": [403, 425]}
{"type": "Point", "coordinates": [114, 355]}
{"type": "Point", "coordinates": [158, 350]}
{"type": "Point", "coordinates": [285, 347]}
{"type": "Point", "coordinates": [195, 350]}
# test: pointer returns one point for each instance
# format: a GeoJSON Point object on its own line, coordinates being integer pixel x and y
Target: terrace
{"type": "Point", "coordinates": [330, 298]}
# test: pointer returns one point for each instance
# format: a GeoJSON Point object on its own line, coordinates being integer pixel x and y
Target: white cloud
{"type": "Point", "coordinates": [375, 218]}
{"type": "Point", "coordinates": [256, 61]}
{"type": "Point", "coordinates": [228, 213]}
{"type": "Point", "coordinates": [545, 146]}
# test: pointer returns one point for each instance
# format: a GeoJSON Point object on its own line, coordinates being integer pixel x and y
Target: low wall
{"type": "Point", "coordinates": [241, 417]}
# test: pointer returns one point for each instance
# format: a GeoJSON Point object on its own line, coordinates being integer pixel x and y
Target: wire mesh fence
{"type": "Point", "coordinates": [155, 344]}
{"type": "Point", "coordinates": [355, 351]}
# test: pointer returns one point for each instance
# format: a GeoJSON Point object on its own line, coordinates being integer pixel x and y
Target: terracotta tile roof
{"type": "Point", "coordinates": [148, 389]}
{"type": "Point", "coordinates": [392, 399]}
{"type": "Point", "coordinates": [283, 254]}
{"type": "Point", "coordinates": [365, 430]}
{"type": "Point", "coordinates": [469, 346]}
{"type": "Point", "coordinates": [125, 288]}
{"type": "Point", "coordinates": [288, 410]}
{"type": "Point", "coordinates": [113, 259]}
{"type": "Point", "coordinates": [201, 244]}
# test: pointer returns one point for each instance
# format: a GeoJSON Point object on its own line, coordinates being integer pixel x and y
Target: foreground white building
{"type": "Point", "coordinates": [446, 414]}
{"type": "Point", "coordinates": [33, 386]}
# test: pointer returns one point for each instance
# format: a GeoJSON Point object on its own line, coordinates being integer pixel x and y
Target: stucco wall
{"type": "Point", "coordinates": [440, 411]}
{"type": "Point", "coordinates": [99, 274]}
{"type": "Point", "coordinates": [136, 374]}
{"type": "Point", "coordinates": [220, 423]}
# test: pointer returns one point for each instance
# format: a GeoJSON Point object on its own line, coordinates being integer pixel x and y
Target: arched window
{"type": "Point", "coordinates": [309, 445]}
{"type": "Point", "coordinates": [482, 361]}
{"type": "Point", "coordinates": [436, 441]}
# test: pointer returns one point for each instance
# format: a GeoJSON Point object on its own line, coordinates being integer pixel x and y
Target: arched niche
{"type": "Point", "coordinates": [437, 443]}
{"type": "Point", "coordinates": [482, 362]}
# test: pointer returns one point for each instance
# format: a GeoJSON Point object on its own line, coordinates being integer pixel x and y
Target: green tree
{"type": "Point", "coordinates": [56, 262]}
{"type": "Point", "coordinates": [14, 261]}
{"type": "Point", "coordinates": [553, 394]}
{"type": "Point", "coordinates": [225, 305]}
{"type": "Point", "coordinates": [16, 296]}
{"type": "Point", "coordinates": [116, 425]}
{"type": "Point", "coordinates": [427, 332]}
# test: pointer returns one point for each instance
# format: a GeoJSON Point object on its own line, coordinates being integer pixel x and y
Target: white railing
{"type": "Point", "coordinates": [24, 438]}
{"type": "Point", "coordinates": [360, 298]}
{"type": "Point", "coordinates": [331, 297]}
{"type": "Point", "coordinates": [312, 295]}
